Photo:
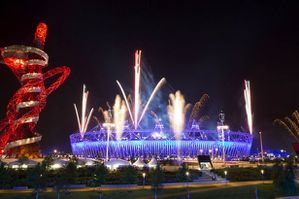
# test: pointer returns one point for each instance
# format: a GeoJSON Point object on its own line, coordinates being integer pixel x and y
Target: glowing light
{"type": "Point", "coordinates": [187, 173]}
{"type": "Point", "coordinates": [56, 166]}
{"type": "Point", "coordinates": [15, 63]}
{"type": "Point", "coordinates": [89, 163]}
{"type": "Point", "coordinates": [24, 166]}
{"type": "Point", "coordinates": [83, 121]}
{"type": "Point", "coordinates": [41, 33]}
{"type": "Point", "coordinates": [158, 135]}
{"type": "Point", "coordinates": [119, 116]}
{"type": "Point", "coordinates": [222, 127]}
{"type": "Point", "coordinates": [247, 96]}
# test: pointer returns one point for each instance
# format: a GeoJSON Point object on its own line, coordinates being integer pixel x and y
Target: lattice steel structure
{"type": "Point", "coordinates": [17, 129]}
{"type": "Point", "coordinates": [162, 144]}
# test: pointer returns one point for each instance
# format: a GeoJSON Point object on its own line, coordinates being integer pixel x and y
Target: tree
{"type": "Point", "coordinates": [59, 182]}
{"type": "Point", "coordinates": [284, 178]}
{"type": "Point", "coordinates": [182, 176]}
{"type": "Point", "coordinates": [100, 176]}
{"type": "Point", "coordinates": [290, 185]}
{"type": "Point", "coordinates": [37, 179]}
{"type": "Point", "coordinates": [6, 177]}
{"type": "Point", "coordinates": [47, 162]}
{"type": "Point", "coordinates": [129, 175]}
{"type": "Point", "coordinates": [156, 177]}
{"type": "Point", "coordinates": [278, 177]}
{"type": "Point", "coordinates": [70, 173]}
{"type": "Point", "coordinates": [65, 177]}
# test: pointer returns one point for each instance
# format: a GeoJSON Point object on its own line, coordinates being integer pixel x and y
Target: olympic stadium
{"type": "Point", "coordinates": [162, 144]}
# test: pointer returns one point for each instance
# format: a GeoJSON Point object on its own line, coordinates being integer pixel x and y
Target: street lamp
{"type": "Point", "coordinates": [225, 173]}
{"type": "Point", "coordinates": [261, 145]}
{"type": "Point", "coordinates": [201, 151]}
{"type": "Point", "coordinates": [109, 127]}
{"type": "Point", "coordinates": [262, 172]}
{"type": "Point", "coordinates": [143, 176]}
{"type": "Point", "coordinates": [187, 174]}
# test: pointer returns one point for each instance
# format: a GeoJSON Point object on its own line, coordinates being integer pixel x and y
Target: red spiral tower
{"type": "Point", "coordinates": [18, 136]}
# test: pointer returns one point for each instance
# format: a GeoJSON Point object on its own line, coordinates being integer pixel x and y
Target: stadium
{"type": "Point", "coordinates": [162, 144]}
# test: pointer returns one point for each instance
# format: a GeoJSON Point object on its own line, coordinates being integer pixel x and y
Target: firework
{"type": "Point", "coordinates": [176, 113]}
{"type": "Point", "coordinates": [83, 121]}
{"type": "Point", "coordinates": [197, 107]}
{"type": "Point", "coordinates": [135, 115]}
{"type": "Point", "coordinates": [137, 87]}
{"type": "Point", "coordinates": [126, 100]}
{"type": "Point", "coordinates": [247, 97]}
{"type": "Point", "coordinates": [291, 124]}
{"type": "Point", "coordinates": [158, 86]}
{"type": "Point", "coordinates": [119, 116]}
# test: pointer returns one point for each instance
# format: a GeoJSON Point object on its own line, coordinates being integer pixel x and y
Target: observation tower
{"type": "Point", "coordinates": [18, 135]}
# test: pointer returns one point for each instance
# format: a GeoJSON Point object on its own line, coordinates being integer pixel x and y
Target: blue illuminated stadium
{"type": "Point", "coordinates": [162, 144]}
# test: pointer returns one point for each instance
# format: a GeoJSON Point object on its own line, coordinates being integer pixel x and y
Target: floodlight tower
{"type": "Point", "coordinates": [18, 136]}
{"type": "Point", "coordinates": [220, 128]}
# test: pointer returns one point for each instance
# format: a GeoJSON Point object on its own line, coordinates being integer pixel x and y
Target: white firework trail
{"type": "Point", "coordinates": [137, 87]}
{"type": "Point", "coordinates": [247, 97]}
{"type": "Point", "coordinates": [158, 86]}
{"type": "Point", "coordinates": [84, 120]}
{"type": "Point", "coordinates": [126, 100]}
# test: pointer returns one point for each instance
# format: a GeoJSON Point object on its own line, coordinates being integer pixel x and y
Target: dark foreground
{"type": "Point", "coordinates": [240, 190]}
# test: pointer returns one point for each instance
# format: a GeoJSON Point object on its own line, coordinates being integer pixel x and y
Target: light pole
{"type": "Point", "coordinates": [225, 173]}
{"type": "Point", "coordinates": [262, 172]}
{"type": "Point", "coordinates": [262, 149]}
{"type": "Point", "coordinates": [108, 127]}
{"type": "Point", "coordinates": [143, 176]}
{"type": "Point", "coordinates": [187, 174]}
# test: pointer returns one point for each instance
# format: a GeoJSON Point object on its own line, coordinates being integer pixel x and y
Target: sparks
{"type": "Point", "coordinates": [247, 97]}
{"type": "Point", "coordinates": [176, 113]}
{"type": "Point", "coordinates": [84, 121]}
{"type": "Point", "coordinates": [119, 116]}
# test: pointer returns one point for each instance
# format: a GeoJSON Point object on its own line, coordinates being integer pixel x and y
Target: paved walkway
{"type": "Point", "coordinates": [209, 187]}
{"type": "Point", "coordinates": [203, 187]}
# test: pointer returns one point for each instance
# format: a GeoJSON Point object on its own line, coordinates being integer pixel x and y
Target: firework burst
{"type": "Point", "coordinates": [247, 97]}
{"type": "Point", "coordinates": [84, 120]}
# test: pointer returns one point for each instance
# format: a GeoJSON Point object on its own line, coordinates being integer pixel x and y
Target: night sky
{"type": "Point", "coordinates": [199, 48]}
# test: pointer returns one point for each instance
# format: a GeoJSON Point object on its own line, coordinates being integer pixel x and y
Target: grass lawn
{"type": "Point", "coordinates": [247, 192]}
